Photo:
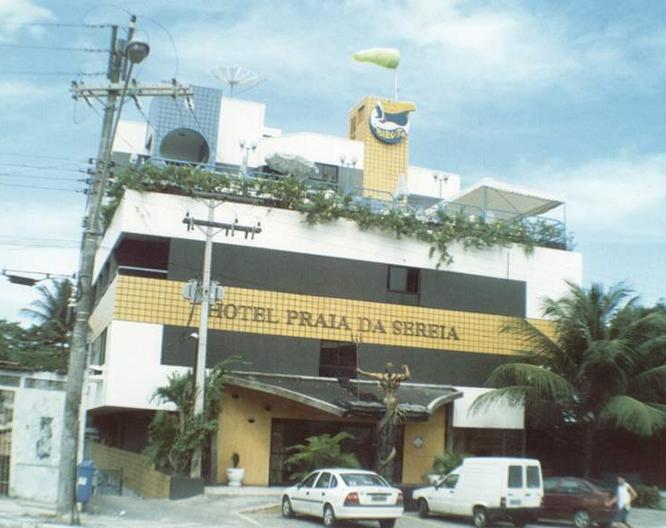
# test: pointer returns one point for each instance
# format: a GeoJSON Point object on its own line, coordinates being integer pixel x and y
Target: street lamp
{"type": "Point", "coordinates": [246, 148]}
{"type": "Point", "coordinates": [136, 51]}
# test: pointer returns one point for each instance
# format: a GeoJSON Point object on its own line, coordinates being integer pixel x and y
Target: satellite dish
{"type": "Point", "coordinates": [235, 76]}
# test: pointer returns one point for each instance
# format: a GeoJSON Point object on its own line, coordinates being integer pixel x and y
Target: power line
{"type": "Point", "coordinates": [30, 177]}
{"type": "Point", "coordinates": [39, 187]}
{"type": "Point", "coordinates": [40, 167]}
{"type": "Point", "coordinates": [54, 73]}
{"type": "Point", "coordinates": [42, 156]}
{"type": "Point", "coordinates": [55, 24]}
{"type": "Point", "coordinates": [54, 48]}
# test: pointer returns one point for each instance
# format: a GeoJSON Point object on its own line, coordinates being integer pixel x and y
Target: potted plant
{"type": "Point", "coordinates": [235, 474]}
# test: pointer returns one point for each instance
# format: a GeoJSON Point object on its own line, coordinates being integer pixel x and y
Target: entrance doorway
{"type": "Point", "coordinates": [286, 433]}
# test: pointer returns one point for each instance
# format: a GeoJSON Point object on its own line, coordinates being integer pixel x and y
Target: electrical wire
{"type": "Point", "coordinates": [54, 48]}
{"type": "Point", "coordinates": [41, 167]}
{"type": "Point", "coordinates": [30, 177]}
{"type": "Point", "coordinates": [39, 187]}
{"type": "Point", "coordinates": [42, 156]}
{"type": "Point", "coordinates": [55, 24]}
{"type": "Point", "coordinates": [52, 73]}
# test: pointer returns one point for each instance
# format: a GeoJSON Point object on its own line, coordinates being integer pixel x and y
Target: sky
{"type": "Point", "coordinates": [563, 96]}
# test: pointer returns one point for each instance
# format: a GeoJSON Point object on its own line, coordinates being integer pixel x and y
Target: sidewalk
{"type": "Point", "coordinates": [132, 512]}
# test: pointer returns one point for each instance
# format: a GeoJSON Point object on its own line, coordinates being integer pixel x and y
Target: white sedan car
{"type": "Point", "coordinates": [334, 494]}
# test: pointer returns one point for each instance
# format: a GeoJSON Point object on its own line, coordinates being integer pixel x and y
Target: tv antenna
{"type": "Point", "coordinates": [237, 76]}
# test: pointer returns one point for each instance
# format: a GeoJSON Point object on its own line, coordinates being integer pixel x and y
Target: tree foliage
{"type": "Point", "coordinates": [51, 311]}
{"type": "Point", "coordinates": [26, 348]}
{"type": "Point", "coordinates": [603, 368]}
{"type": "Point", "coordinates": [439, 230]}
{"type": "Point", "coordinates": [174, 436]}
{"type": "Point", "coordinates": [319, 452]}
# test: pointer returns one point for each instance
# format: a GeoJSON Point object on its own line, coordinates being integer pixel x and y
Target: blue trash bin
{"type": "Point", "coordinates": [84, 480]}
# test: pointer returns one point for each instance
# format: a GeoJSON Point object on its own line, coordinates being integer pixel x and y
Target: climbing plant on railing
{"type": "Point", "coordinates": [439, 229]}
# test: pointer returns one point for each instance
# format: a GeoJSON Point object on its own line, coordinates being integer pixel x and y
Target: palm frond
{"type": "Point", "coordinates": [545, 383]}
{"type": "Point", "coordinates": [628, 413]}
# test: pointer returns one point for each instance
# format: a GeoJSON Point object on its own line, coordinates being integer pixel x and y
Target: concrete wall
{"type": "Point", "coordinates": [35, 455]}
{"type": "Point", "coordinates": [138, 474]}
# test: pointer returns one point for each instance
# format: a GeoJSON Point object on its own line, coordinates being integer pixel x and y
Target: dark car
{"type": "Point", "coordinates": [577, 500]}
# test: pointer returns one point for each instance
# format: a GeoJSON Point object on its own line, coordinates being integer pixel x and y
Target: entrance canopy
{"type": "Point", "coordinates": [508, 200]}
{"type": "Point", "coordinates": [347, 397]}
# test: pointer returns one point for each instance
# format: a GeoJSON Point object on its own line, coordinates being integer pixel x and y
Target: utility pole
{"type": "Point", "coordinates": [123, 54]}
{"type": "Point", "coordinates": [208, 294]}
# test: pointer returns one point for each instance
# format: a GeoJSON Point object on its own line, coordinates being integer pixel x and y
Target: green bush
{"type": "Point", "coordinates": [648, 496]}
{"type": "Point", "coordinates": [446, 461]}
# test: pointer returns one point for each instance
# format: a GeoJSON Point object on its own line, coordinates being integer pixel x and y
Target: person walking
{"type": "Point", "coordinates": [624, 495]}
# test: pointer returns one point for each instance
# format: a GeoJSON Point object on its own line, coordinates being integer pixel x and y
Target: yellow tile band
{"type": "Point", "coordinates": [286, 314]}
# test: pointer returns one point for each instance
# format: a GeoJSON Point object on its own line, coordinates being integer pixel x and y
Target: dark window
{"type": "Point", "coordinates": [550, 485]}
{"type": "Point", "coordinates": [143, 257]}
{"type": "Point", "coordinates": [533, 477]}
{"type": "Point", "coordinates": [363, 479]}
{"type": "Point", "coordinates": [309, 481]}
{"type": "Point", "coordinates": [515, 476]}
{"type": "Point", "coordinates": [337, 359]}
{"type": "Point", "coordinates": [324, 480]}
{"type": "Point", "coordinates": [334, 482]}
{"type": "Point", "coordinates": [327, 173]}
{"type": "Point", "coordinates": [98, 349]}
{"type": "Point", "coordinates": [404, 280]}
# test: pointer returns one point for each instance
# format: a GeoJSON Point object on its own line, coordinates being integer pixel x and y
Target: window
{"type": "Point", "coordinates": [98, 349]}
{"type": "Point", "coordinates": [143, 257]}
{"type": "Point", "coordinates": [324, 481]}
{"type": "Point", "coordinates": [337, 359]}
{"type": "Point", "coordinates": [533, 477]}
{"type": "Point", "coordinates": [309, 481]}
{"type": "Point", "coordinates": [363, 479]}
{"type": "Point", "coordinates": [334, 482]}
{"type": "Point", "coordinates": [515, 476]}
{"type": "Point", "coordinates": [403, 280]}
{"type": "Point", "coordinates": [451, 481]}
{"type": "Point", "coordinates": [550, 485]}
{"type": "Point", "coordinates": [327, 173]}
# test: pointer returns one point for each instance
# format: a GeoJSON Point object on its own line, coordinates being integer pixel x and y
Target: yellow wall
{"type": "Point", "coordinates": [138, 473]}
{"type": "Point", "coordinates": [274, 313]}
{"type": "Point", "coordinates": [418, 460]}
{"type": "Point", "coordinates": [252, 440]}
{"type": "Point", "coordinates": [384, 163]}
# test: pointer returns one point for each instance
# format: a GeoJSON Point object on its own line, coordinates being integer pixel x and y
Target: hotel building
{"type": "Point", "coordinates": [305, 305]}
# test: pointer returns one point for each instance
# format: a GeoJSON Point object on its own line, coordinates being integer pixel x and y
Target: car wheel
{"type": "Point", "coordinates": [329, 516]}
{"type": "Point", "coordinates": [480, 517]}
{"type": "Point", "coordinates": [424, 510]}
{"type": "Point", "coordinates": [287, 510]}
{"type": "Point", "coordinates": [387, 523]}
{"type": "Point", "coordinates": [581, 519]}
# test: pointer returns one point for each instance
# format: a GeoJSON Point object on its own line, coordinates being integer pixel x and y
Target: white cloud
{"type": "Point", "coordinates": [619, 199]}
{"type": "Point", "coordinates": [15, 13]}
{"type": "Point", "coordinates": [22, 90]}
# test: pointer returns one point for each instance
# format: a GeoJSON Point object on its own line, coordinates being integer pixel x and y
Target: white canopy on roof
{"type": "Point", "coordinates": [491, 195]}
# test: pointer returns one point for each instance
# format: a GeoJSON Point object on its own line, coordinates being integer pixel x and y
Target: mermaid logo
{"type": "Point", "coordinates": [389, 121]}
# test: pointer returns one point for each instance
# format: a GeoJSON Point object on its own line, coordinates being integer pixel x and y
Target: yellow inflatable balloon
{"type": "Point", "coordinates": [385, 57]}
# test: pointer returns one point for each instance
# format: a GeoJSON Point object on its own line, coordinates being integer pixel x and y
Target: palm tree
{"type": "Point", "coordinates": [318, 452]}
{"type": "Point", "coordinates": [604, 366]}
{"type": "Point", "coordinates": [51, 311]}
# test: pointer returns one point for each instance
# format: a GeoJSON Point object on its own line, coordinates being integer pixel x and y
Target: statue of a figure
{"type": "Point", "coordinates": [388, 426]}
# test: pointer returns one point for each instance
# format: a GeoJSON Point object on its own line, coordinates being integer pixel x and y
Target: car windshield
{"type": "Point", "coordinates": [363, 479]}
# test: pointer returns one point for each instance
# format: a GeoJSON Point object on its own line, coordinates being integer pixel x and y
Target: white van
{"type": "Point", "coordinates": [487, 489]}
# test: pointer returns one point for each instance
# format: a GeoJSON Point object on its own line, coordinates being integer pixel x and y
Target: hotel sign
{"type": "Point", "coordinates": [333, 321]}
{"type": "Point", "coordinates": [389, 121]}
